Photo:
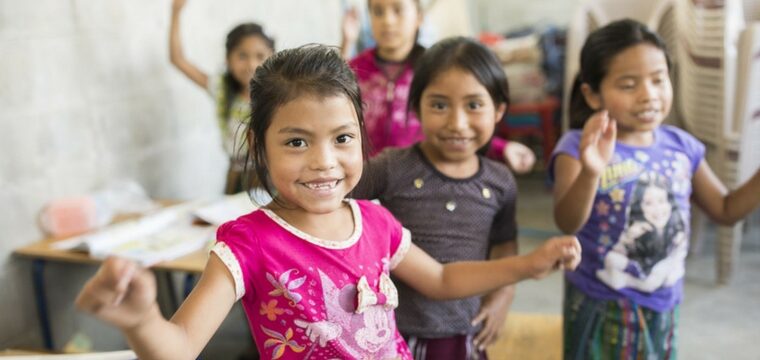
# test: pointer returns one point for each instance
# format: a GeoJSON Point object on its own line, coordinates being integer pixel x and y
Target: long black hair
{"type": "Point", "coordinates": [309, 70]}
{"type": "Point", "coordinates": [600, 48]}
{"type": "Point", "coordinates": [231, 87]}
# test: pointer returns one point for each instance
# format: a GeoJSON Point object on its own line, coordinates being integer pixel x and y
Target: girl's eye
{"type": "Point", "coordinates": [297, 143]}
{"type": "Point", "coordinates": [438, 105]}
{"type": "Point", "coordinates": [627, 86]}
{"type": "Point", "coordinates": [344, 138]}
{"type": "Point", "coordinates": [474, 105]}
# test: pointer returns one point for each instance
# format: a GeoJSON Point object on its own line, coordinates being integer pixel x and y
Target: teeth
{"type": "Point", "coordinates": [322, 185]}
{"type": "Point", "coordinates": [457, 141]}
{"type": "Point", "coordinates": [647, 114]}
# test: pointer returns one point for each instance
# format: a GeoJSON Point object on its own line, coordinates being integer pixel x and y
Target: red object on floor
{"type": "Point", "coordinates": [545, 110]}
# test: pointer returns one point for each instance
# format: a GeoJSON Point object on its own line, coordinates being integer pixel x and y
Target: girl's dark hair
{"type": "Point", "coordinates": [309, 70]}
{"type": "Point", "coordinates": [231, 87]}
{"type": "Point", "coordinates": [465, 54]}
{"type": "Point", "coordinates": [600, 48]}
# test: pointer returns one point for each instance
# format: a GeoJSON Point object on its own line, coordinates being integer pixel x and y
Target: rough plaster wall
{"type": "Point", "coordinates": [87, 95]}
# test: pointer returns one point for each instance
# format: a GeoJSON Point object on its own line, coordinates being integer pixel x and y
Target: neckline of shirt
{"type": "Point", "coordinates": [325, 243]}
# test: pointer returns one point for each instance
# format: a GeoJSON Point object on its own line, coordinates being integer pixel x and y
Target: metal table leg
{"type": "Point", "coordinates": [38, 279]}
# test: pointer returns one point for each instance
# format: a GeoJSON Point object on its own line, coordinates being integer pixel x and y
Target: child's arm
{"type": "Point", "coordinates": [350, 28]}
{"type": "Point", "coordinates": [469, 278]}
{"type": "Point", "coordinates": [124, 295]}
{"type": "Point", "coordinates": [576, 181]}
{"type": "Point", "coordinates": [495, 306]}
{"type": "Point", "coordinates": [176, 56]}
{"type": "Point", "coordinates": [724, 207]}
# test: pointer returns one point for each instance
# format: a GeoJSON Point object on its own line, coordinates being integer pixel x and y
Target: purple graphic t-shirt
{"type": "Point", "coordinates": [636, 238]}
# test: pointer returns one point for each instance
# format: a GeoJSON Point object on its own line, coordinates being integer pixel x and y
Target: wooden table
{"type": "Point", "coordinates": [42, 252]}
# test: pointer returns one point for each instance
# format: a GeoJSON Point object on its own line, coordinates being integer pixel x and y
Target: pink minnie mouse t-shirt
{"type": "Point", "coordinates": [307, 297]}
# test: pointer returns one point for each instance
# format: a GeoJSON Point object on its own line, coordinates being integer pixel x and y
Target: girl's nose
{"type": "Point", "coordinates": [323, 158]}
{"type": "Point", "coordinates": [457, 120]}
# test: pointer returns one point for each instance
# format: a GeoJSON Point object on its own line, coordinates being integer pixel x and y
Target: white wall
{"type": "Point", "coordinates": [504, 15]}
{"type": "Point", "coordinates": [87, 94]}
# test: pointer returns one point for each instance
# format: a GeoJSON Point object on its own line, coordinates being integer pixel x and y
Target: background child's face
{"type": "Point", "coordinates": [636, 90]}
{"type": "Point", "coordinates": [655, 206]}
{"type": "Point", "coordinates": [243, 60]}
{"type": "Point", "coordinates": [394, 23]}
{"type": "Point", "coordinates": [314, 152]}
{"type": "Point", "coordinates": [458, 114]}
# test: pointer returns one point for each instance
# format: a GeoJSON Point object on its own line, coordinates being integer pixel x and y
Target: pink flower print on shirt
{"type": "Point", "coordinates": [271, 310]}
{"type": "Point", "coordinates": [281, 342]}
{"type": "Point", "coordinates": [283, 286]}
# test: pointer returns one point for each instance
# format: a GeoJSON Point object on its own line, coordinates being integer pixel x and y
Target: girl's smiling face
{"type": "Point", "coordinates": [636, 90]}
{"type": "Point", "coordinates": [458, 116]}
{"type": "Point", "coordinates": [243, 60]}
{"type": "Point", "coordinates": [394, 26]}
{"type": "Point", "coordinates": [656, 207]}
{"type": "Point", "coordinates": [314, 152]}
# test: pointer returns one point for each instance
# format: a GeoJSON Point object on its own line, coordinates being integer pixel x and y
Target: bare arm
{"type": "Point", "coordinates": [176, 56]}
{"type": "Point", "coordinates": [574, 192]}
{"type": "Point", "coordinates": [469, 278]}
{"type": "Point", "coordinates": [124, 295]}
{"type": "Point", "coordinates": [350, 29]}
{"type": "Point", "coordinates": [724, 207]}
{"type": "Point", "coordinates": [576, 181]}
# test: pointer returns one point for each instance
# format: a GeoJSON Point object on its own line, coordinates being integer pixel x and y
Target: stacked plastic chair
{"type": "Point", "coordinates": [719, 101]}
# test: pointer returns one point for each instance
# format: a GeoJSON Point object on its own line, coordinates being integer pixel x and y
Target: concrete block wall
{"type": "Point", "coordinates": [87, 95]}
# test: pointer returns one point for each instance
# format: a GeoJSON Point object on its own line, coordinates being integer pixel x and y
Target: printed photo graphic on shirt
{"type": "Point", "coordinates": [651, 249]}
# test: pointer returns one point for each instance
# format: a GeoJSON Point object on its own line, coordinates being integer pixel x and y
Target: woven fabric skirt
{"type": "Point", "coordinates": [616, 329]}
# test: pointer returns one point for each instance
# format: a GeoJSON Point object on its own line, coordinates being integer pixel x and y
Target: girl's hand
{"type": "Point", "coordinates": [177, 6]}
{"type": "Point", "coordinates": [121, 293]}
{"type": "Point", "coordinates": [493, 314]}
{"type": "Point", "coordinates": [598, 142]}
{"type": "Point", "coordinates": [561, 252]}
{"type": "Point", "coordinates": [519, 157]}
{"type": "Point", "coordinates": [350, 27]}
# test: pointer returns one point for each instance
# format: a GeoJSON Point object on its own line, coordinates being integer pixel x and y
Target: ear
{"type": "Point", "coordinates": [500, 110]}
{"type": "Point", "coordinates": [593, 99]}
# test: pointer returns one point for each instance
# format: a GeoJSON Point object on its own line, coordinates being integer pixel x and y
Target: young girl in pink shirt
{"type": "Point", "coordinates": [312, 267]}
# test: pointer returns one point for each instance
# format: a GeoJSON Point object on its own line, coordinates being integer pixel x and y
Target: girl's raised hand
{"type": "Point", "coordinates": [121, 293]}
{"type": "Point", "coordinates": [561, 252]}
{"type": "Point", "coordinates": [598, 142]}
{"type": "Point", "coordinates": [350, 27]}
{"type": "Point", "coordinates": [177, 5]}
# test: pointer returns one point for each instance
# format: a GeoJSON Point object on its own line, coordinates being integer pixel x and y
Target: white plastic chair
{"type": "Point", "coordinates": [719, 100]}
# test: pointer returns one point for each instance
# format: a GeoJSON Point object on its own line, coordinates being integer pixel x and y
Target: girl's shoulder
{"type": "Point", "coordinates": [244, 227]}
{"type": "Point", "coordinates": [672, 136]}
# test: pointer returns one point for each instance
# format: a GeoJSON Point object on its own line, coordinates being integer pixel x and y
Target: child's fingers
{"type": "Point", "coordinates": [108, 286]}
{"type": "Point", "coordinates": [611, 132]}
{"type": "Point", "coordinates": [479, 318]}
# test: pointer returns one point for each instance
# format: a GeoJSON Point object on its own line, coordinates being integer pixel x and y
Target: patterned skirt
{"type": "Point", "coordinates": [616, 329]}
